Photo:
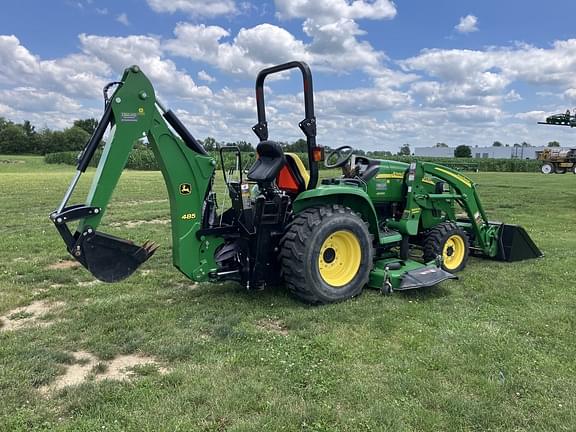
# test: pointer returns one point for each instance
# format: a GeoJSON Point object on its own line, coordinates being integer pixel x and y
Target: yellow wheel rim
{"type": "Point", "coordinates": [340, 258]}
{"type": "Point", "coordinates": [454, 252]}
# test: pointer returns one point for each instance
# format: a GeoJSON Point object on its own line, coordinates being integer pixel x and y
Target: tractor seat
{"type": "Point", "coordinates": [270, 161]}
{"type": "Point", "coordinates": [293, 177]}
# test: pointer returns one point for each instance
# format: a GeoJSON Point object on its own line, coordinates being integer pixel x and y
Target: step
{"type": "Point", "coordinates": [389, 237]}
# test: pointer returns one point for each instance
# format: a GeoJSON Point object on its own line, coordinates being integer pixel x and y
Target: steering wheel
{"type": "Point", "coordinates": [342, 158]}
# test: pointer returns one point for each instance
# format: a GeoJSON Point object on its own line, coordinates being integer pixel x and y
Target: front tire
{"type": "Point", "coordinates": [326, 254]}
{"type": "Point", "coordinates": [450, 242]}
{"type": "Point", "coordinates": [547, 168]}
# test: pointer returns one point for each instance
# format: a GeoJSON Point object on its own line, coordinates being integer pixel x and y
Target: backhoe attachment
{"type": "Point", "coordinates": [133, 113]}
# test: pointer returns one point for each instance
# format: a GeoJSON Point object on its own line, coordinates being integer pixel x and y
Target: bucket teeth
{"type": "Point", "coordinates": [150, 247]}
{"type": "Point", "coordinates": [111, 259]}
{"type": "Point", "coordinates": [146, 250]}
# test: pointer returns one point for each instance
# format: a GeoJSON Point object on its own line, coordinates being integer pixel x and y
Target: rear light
{"type": "Point", "coordinates": [318, 154]}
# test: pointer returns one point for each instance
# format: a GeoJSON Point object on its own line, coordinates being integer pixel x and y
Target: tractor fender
{"type": "Point", "coordinates": [348, 196]}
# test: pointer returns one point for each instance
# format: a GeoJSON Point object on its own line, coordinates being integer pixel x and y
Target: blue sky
{"type": "Point", "coordinates": [385, 73]}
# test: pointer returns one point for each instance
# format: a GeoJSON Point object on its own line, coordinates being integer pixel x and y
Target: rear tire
{"type": "Point", "coordinates": [449, 241]}
{"type": "Point", "coordinates": [326, 254]}
{"type": "Point", "coordinates": [560, 170]}
{"type": "Point", "coordinates": [573, 169]}
{"type": "Point", "coordinates": [547, 168]}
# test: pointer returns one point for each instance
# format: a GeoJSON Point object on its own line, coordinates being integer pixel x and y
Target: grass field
{"type": "Point", "coordinates": [493, 351]}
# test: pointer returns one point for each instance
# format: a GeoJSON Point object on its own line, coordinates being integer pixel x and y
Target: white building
{"type": "Point", "coordinates": [482, 152]}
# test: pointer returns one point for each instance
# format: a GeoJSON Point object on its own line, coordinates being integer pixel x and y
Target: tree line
{"type": "Point", "coordinates": [24, 138]}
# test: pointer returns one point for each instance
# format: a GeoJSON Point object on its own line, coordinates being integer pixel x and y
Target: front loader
{"type": "Point", "coordinates": [385, 224]}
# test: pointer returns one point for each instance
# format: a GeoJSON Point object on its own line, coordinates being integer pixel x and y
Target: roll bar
{"type": "Point", "coordinates": [308, 125]}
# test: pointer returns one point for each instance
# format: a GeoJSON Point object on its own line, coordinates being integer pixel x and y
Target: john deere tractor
{"type": "Point", "coordinates": [383, 224]}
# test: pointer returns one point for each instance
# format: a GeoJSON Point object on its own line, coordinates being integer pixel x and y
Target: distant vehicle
{"type": "Point", "coordinates": [557, 160]}
{"type": "Point", "coordinates": [564, 119]}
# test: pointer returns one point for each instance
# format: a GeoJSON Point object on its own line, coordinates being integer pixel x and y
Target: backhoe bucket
{"type": "Point", "coordinates": [515, 244]}
{"type": "Point", "coordinates": [111, 259]}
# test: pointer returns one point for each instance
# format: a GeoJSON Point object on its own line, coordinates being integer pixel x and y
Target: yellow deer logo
{"type": "Point", "coordinates": [185, 189]}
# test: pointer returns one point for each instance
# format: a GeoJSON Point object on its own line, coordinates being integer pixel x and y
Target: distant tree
{"type": "Point", "coordinates": [517, 145]}
{"type": "Point", "coordinates": [404, 150]}
{"type": "Point", "coordinates": [13, 140]}
{"type": "Point", "coordinates": [553, 144]}
{"type": "Point", "coordinates": [4, 123]}
{"type": "Point", "coordinates": [441, 144]}
{"type": "Point", "coordinates": [245, 146]}
{"type": "Point", "coordinates": [89, 125]}
{"type": "Point", "coordinates": [525, 144]}
{"type": "Point", "coordinates": [34, 144]}
{"type": "Point", "coordinates": [463, 151]}
{"type": "Point", "coordinates": [70, 139]}
{"type": "Point", "coordinates": [496, 144]}
{"type": "Point", "coordinates": [29, 129]}
{"type": "Point", "coordinates": [209, 144]}
{"type": "Point", "coordinates": [300, 146]}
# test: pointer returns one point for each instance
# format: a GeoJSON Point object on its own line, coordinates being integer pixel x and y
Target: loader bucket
{"type": "Point", "coordinates": [111, 259]}
{"type": "Point", "coordinates": [515, 244]}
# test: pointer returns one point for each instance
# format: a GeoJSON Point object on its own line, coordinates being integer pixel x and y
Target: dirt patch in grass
{"type": "Point", "coordinates": [137, 223]}
{"type": "Point", "coordinates": [75, 374]}
{"type": "Point", "coordinates": [121, 367]}
{"type": "Point", "coordinates": [272, 326]}
{"type": "Point", "coordinates": [87, 284]}
{"type": "Point", "coordinates": [64, 265]}
{"type": "Point", "coordinates": [137, 203]}
{"type": "Point", "coordinates": [28, 316]}
{"type": "Point", "coordinates": [87, 367]}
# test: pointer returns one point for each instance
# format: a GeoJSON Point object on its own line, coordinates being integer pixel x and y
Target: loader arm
{"type": "Point", "coordinates": [492, 239]}
{"type": "Point", "coordinates": [133, 113]}
{"type": "Point", "coordinates": [463, 191]}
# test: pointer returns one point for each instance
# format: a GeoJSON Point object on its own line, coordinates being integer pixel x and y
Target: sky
{"type": "Point", "coordinates": [385, 73]}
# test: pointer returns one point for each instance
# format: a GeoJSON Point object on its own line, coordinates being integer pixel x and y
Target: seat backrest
{"type": "Point", "coordinates": [269, 163]}
{"type": "Point", "coordinates": [293, 177]}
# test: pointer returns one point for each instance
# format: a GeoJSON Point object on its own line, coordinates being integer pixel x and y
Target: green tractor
{"type": "Point", "coordinates": [384, 224]}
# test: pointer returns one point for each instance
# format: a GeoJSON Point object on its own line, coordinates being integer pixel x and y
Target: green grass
{"type": "Point", "coordinates": [492, 351]}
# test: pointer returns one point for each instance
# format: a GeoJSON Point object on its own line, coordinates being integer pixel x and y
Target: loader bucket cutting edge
{"type": "Point", "coordinates": [515, 244]}
{"type": "Point", "coordinates": [111, 259]}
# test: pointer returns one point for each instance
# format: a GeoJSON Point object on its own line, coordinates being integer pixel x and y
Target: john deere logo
{"type": "Point", "coordinates": [185, 189]}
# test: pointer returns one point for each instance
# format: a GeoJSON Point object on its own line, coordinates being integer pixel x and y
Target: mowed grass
{"type": "Point", "coordinates": [492, 351]}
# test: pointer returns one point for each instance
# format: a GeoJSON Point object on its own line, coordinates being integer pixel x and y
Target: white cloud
{"type": "Point", "coordinates": [205, 76]}
{"type": "Point", "coordinates": [34, 99]}
{"type": "Point", "coordinates": [76, 75]}
{"type": "Point", "coordinates": [249, 51]}
{"type": "Point", "coordinates": [123, 19]}
{"type": "Point", "coordinates": [467, 24]}
{"type": "Point", "coordinates": [208, 8]}
{"type": "Point", "coordinates": [333, 9]}
{"type": "Point", "coordinates": [334, 47]}
{"type": "Point", "coordinates": [485, 77]}
{"type": "Point", "coordinates": [145, 51]}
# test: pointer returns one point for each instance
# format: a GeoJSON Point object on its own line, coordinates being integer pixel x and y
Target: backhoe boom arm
{"type": "Point", "coordinates": [133, 114]}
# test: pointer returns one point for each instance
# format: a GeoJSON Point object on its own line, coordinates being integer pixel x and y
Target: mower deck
{"type": "Point", "coordinates": [392, 274]}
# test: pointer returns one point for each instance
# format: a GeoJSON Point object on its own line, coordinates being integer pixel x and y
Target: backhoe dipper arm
{"type": "Point", "coordinates": [133, 114]}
